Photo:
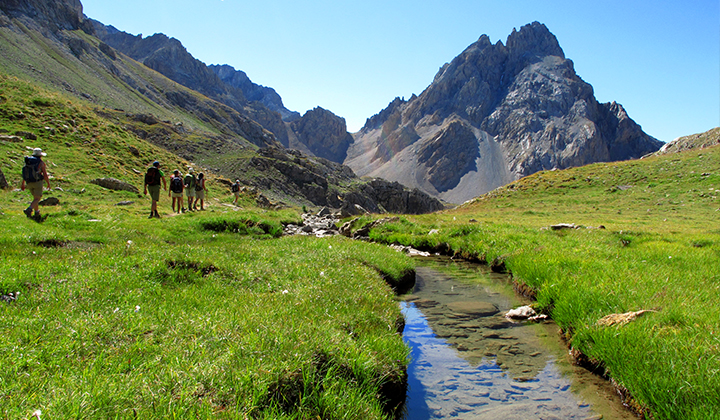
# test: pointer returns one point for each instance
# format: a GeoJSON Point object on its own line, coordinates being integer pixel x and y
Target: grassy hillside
{"type": "Point", "coordinates": [107, 314]}
{"type": "Point", "coordinates": [648, 239]}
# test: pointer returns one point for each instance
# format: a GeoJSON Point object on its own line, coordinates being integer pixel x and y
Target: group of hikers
{"type": "Point", "coordinates": [191, 185]}
{"type": "Point", "coordinates": [34, 175]}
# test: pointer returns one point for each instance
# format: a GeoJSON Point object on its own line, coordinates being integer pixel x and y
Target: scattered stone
{"type": "Point", "coordinates": [50, 201]}
{"type": "Point", "coordinates": [316, 225]}
{"type": "Point", "coordinates": [523, 312]}
{"type": "Point", "coordinates": [561, 226]}
{"type": "Point", "coordinates": [10, 297]}
{"type": "Point", "coordinates": [621, 319]}
{"type": "Point", "coordinates": [115, 184]}
{"type": "Point", "coordinates": [11, 139]}
{"type": "Point", "coordinates": [410, 251]}
{"type": "Point", "coordinates": [125, 203]}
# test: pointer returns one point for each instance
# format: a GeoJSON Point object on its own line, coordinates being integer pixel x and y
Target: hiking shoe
{"type": "Point", "coordinates": [157, 215]}
{"type": "Point", "coordinates": [28, 212]}
{"type": "Point", "coordinates": [151, 215]}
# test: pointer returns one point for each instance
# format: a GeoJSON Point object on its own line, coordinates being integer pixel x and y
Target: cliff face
{"type": "Point", "coordinates": [497, 112]}
{"type": "Point", "coordinates": [323, 133]}
{"type": "Point", "coordinates": [55, 14]}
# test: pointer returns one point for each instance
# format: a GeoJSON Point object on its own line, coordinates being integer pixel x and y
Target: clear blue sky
{"type": "Point", "coordinates": [660, 59]}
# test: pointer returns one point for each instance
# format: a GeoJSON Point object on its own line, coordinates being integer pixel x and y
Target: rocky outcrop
{"type": "Point", "coordinates": [694, 141]}
{"type": "Point", "coordinates": [496, 113]}
{"type": "Point", "coordinates": [323, 133]}
{"type": "Point", "coordinates": [322, 182]}
{"type": "Point", "coordinates": [54, 14]}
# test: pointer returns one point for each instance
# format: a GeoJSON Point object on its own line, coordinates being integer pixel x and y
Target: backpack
{"type": "Point", "coordinates": [189, 181]}
{"type": "Point", "coordinates": [176, 184]}
{"type": "Point", "coordinates": [198, 186]}
{"type": "Point", "coordinates": [31, 170]}
{"type": "Point", "coordinates": [235, 187]}
{"type": "Point", "coordinates": [152, 176]}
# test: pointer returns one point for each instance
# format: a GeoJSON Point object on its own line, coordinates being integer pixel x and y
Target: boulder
{"type": "Point", "coordinates": [50, 201]}
{"type": "Point", "coordinates": [115, 184]}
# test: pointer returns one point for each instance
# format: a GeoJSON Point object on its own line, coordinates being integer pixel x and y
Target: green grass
{"type": "Point", "coordinates": [129, 316]}
{"type": "Point", "coordinates": [659, 249]}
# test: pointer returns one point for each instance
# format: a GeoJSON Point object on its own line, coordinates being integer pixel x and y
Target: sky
{"type": "Point", "coordinates": [660, 59]}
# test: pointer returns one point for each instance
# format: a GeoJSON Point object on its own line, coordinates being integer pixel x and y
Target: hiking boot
{"type": "Point", "coordinates": [151, 215]}
{"type": "Point", "coordinates": [28, 212]}
{"type": "Point", "coordinates": [37, 217]}
{"type": "Point", "coordinates": [157, 215]}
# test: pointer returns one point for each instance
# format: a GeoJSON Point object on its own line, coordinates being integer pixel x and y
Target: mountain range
{"type": "Point", "coordinates": [497, 112]}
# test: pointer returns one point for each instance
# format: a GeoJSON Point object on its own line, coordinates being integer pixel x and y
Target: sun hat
{"type": "Point", "coordinates": [191, 170]}
{"type": "Point", "coordinates": [38, 152]}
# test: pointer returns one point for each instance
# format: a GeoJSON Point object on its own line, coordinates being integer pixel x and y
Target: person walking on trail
{"type": "Point", "coordinates": [153, 177]}
{"type": "Point", "coordinates": [176, 191]}
{"type": "Point", "coordinates": [190, 182]}
{"type": "Point", "coordinates": [34, 173]}
{"type": "Point", "coordinates": [200, 191]}
{"type": "Point", "coordinates": [235, 188]}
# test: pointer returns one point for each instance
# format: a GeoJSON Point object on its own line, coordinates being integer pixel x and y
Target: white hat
{"type": "Point", "coordinates": [191, 170]}
{"type": "Point", "coordinates": [38, 152]}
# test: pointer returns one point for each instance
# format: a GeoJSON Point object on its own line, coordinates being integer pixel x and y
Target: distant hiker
{"type": "Point", "coordinates": [153, 177]}
{"type": "Point", "coordinates": [190, 182]}
{"type": "Point", "coordinates": [200, 191]}
{"type": "Point", "coordinates": [33, 174]}
{"type": "Point", "coordinates": [235, 188]}
{"type": "Point", "coordinates": [176, 191]}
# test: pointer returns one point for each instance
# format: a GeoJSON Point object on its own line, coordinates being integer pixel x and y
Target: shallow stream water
{"type": "Point", "coordinates": [469, 362]}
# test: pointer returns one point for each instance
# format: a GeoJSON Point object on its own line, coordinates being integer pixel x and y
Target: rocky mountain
{"type": "Point", "coordinates": [496, 113]}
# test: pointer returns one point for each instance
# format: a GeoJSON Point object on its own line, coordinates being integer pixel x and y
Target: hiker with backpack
{"type": "Point", "coordinates": [153, 177]}
{"type": "Point", "coordinates": [190, 182]}
{"type": "Point", "coordinates": [235, 188]}
{"type": "Point", "coordinates": [200, 191]}
{"type": "Point", "coordinates": [33, 174]}
{"type": "Point", "coordinates": [176, 191]}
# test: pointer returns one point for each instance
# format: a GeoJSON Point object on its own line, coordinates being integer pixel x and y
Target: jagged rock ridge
{"type": "Point", "coordinates": [497, 112]}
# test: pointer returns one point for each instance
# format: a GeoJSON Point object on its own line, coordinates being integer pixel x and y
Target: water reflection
{"type": "Point", "coordinates": [469, 362]}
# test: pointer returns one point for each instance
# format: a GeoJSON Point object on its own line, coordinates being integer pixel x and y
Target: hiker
{"type": "Point", "coordinates": [190, 182]}
{"type": "Point", "coordinates": [235, 188]}
{"type": "Point", "coordinates": [153, 177]}
{"type": "Point", "coordinates": [33, 174]}
{"type": "Point", "coordinates": [200, 191]}
{"type": "Point", "coordinates": [176, 191]}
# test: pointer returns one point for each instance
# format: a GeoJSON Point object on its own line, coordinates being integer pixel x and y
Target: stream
{"type": "Point", "coordinates": [469, 362]}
